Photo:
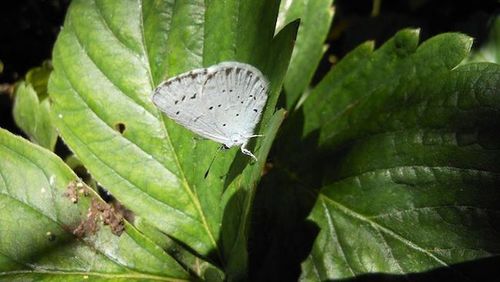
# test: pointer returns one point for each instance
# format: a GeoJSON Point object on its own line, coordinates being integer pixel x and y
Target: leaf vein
{"type": "Point", "coordinates": [375, 225]}
{"type": "Point", "coordinates": [108, 27]}
{"type": "Point", "coordinates": [331, 225]}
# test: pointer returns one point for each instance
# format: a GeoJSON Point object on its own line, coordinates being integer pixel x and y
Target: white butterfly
{"type": "Point", "coordinates": [223, 102]}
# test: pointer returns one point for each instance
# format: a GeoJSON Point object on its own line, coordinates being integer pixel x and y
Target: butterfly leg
{"type": "Point", "coordinates": [247, 152]}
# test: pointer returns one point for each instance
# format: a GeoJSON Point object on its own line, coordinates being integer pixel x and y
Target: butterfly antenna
{"type": "Point", "coordinates": [212, 162]}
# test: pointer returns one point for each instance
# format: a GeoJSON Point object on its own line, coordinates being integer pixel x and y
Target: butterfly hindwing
{"type": "Point", "coordinates": [238, 93]}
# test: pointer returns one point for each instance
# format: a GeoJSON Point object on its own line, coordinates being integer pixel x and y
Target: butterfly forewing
{"type": "Point", "coordinates": [180, 96]}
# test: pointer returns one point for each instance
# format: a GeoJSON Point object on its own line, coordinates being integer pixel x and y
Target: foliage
{"type": "Point", "coordinates": [32, 107]}
{"type": "Point", "coordinates": [389, 165]}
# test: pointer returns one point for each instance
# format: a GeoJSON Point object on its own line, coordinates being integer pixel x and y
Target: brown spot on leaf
{"type": "Point", "coordinates": [71, 192]}
{"type": "Point", "coordinates": [74, 190]}
{"type": "Point", "coordinates": [89, 226]}
{"type": "Point", "coordinates": [111, 217]}
{"type": "Point", "coordinates": [98, 211]}
{"type": "Point", "coordinates": [120, 127]}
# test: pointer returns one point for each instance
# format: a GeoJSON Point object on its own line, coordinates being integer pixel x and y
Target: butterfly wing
{"type": "Point", "coordinates": [216, 102]}
{"type": "Point", "coordinates": [238, 93]}
{"type": "Point", "coordinates": [180, 98]}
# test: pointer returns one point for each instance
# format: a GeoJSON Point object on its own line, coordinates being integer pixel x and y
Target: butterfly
{"type": "Point", "coordinates": [223, 102]}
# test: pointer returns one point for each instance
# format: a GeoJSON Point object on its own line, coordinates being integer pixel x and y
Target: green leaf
{"type": "Point", "coordinates": [315, 20]}
{"type": "Point", "coordinates": [489, 51]}
{"type": "Point", "coordinates": [43, 205]}
{"type": "Point", "coordinates": [202, 269]}
{"type": "Point", "coordinates": [32, 113]}
{"type": "Point", "coordinates": [369, 87]}
{"type": "Point", "coordinates": [39, 77]}
{"type": "Point", "coordinates": [107, 60]}
{"type": "Point", "coordinates": [410, 147]}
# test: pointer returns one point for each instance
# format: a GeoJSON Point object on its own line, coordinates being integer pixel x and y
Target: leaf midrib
{"type": "Point", "coordinates": [185, 183]}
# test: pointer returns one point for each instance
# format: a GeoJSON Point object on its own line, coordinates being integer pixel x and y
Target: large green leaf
{"type": "Point", "coordinates": [410, 147]}
{"type": "Point", "coordinates": [108, 58]}
{"type": "Point", "coordinates": [32, 107]}
{"type": "Point", "coordinates": [315, 19]}
{"type": "Point", "coordinates": [38, 219]}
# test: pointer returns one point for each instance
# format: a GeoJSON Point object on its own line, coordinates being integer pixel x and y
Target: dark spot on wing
{"type": "Point", "coordinates": [219, 105]}
{"type": "Point", "coordinates": [228, 71]}
{"type": "Point", "coordinates": [249, 73]}
{"type": "Point", "coordinates": [183, 98]}
{"type": "Point", "coordinates": [255, 110]}
{"type": "Point", "coordinates": [251, 96]}
{"type": "Point", "coordinates": [237, 115]}
{"type": "Point", "coordinates": [176, 101]}
{"type": "Point", "coordinates": [210, 76]}
{"type": "Point", "coordinates": [230, 90]}
{"type": "Point", "coordinates": [193, 97]}
{"type": "Point", "coordinates": [205, 71]}
{"type": "Point", "coordinates": [238, 97]}
{"type": "Point", "coordinates": [241, 102]}
{"type": "Point", "coordinates": [193, 75]}
{"type": "Point", "coordinates": [223, 90]}
{"type": "Point", "coordinates": [211, 107]}
{"type": "Point", "coordinates": [238, 70]}
{"type": "Point", "coordinates": [178, 79]}
{"type": "Point", "coordinates": [224, 124]}
{"type": "Point", "coordinates": [177, 112]}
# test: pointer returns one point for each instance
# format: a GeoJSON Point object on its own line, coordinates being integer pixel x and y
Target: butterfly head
{"type": "Point", "coordinates": [235, 140]}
